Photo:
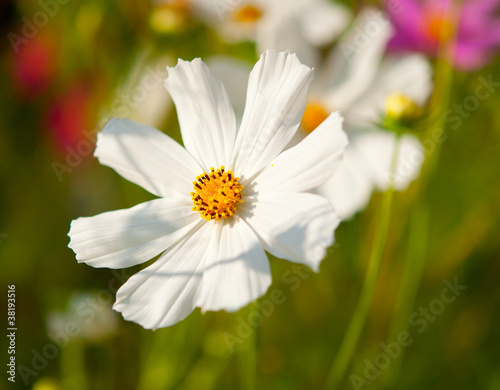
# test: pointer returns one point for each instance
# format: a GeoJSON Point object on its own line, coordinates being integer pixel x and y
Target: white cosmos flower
{"type": "Point", "coordinates": [356, 79]}
{"type": "Point", "coordinates": [277, 24]}
{"type": "Point", "coordinates": [260, 194]}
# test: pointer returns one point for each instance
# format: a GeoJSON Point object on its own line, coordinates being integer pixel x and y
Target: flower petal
{"type": "Point", "coordinates": [233, 73]}
{"type": "Point", "coordinates": [165, 292]}
{"type": "Point", "coordinates": [351, 187]}
{"type": "Point", "coordinates": [206, 117]}
{"type": "Point", "coordinates": [407, 17]}
{"type": "Point", "coordinates": [238, 273]}
{"type": "Point", "coordinates": [276, 100]}
{"type": "Point", "coordinates": [376, 149]}
{"type": "Point", "coordinates": [123, 238]}
{"type": "Point", "coordinates": [410, 75]}
{"type": "Point", "coordinates": [352, 66]}
{"type": "Point", "coordinates": [294, 226]}
{"type": "Point", "coordinates": [323, 21]}
{"type": "Point", "coordinates": [279, 31]}
{"type": "Point", "coordinates": [147, 157]}
{"type": "Point", "coordinates": [308, 164]}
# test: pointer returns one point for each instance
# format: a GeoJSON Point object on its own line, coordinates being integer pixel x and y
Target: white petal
{"type": "Point", "coordinates": [351, 187]}
{"type": "Point", "coordinates": [238, 273]}
{"type": "Point", "coordinates": [280, 31]}
{"type": "Point", "coordinates": [308, 164]}
{"type": "Point", "coordinates": [165, 292]}
{"type": "Point", "coordinates": [323, 21]}
{"type": "Point", "coordinates": [352, 66]}
{"type": "Point", "coordinates": [294, 226]}
{"type": "Point", "coordinates": [376, 148]}
{"type": "Point", "coordinates": [147, 157]}
{"type": "Point", "coordinates": [205, 114]}
{"type": "Point", "coordinates": [123, 238]}
{"type": "Point", "coordinates": [211, 13]}
{"type": "Point", "coordinates": [410, 75]}
{"type": "Point", "coordinates": [233, 73]}
{"type": "Point", "coordinates": [152, 103]}
{"type": "Point", "coordinates": [276, 100]}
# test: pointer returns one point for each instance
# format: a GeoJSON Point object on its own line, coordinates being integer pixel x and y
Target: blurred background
{"type": "Point", "coordinates": [66, 66]}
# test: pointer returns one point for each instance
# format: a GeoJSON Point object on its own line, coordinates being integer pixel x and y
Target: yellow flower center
{"type": "Point", "coordinates": [314, 115]}
{"type": "Point", "coordinates": [216, 194]}
{"type": "Point", "coordinates": [171, 16]}
{"type": "Point", "coordinates": [401, 107]}
{"type": "Point", "coordinates": [248, 14]}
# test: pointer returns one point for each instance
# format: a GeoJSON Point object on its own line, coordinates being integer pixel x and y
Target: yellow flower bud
{"type": "Point", "coordinates": [401, 108]}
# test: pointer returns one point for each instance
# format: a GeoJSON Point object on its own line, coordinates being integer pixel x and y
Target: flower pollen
{"type": "Point", "coordinates": [216, 194]}
{"type": "Point", "coordinates": [248, 14]}
{"type": "Point", "coordinates": [314, 115]}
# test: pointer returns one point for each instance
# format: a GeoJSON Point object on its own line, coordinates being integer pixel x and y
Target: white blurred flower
{"type": "Point", "coordinates": [277, 24]}
{"type": "Point", "coordinates": [357, 80]}
{"type": "Point", "coordinates": [217, 261]}
{"type": "Point", "coordinates": [86, 318]}
{"type": "Point", "coordinates": [142, 96]}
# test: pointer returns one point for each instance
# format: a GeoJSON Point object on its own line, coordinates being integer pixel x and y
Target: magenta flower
{"type": "Point", "coordinates": [470, 30]}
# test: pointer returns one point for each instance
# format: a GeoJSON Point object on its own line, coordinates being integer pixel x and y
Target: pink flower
{"type": "Point", "coordinates": [69, 115]}
{"type": "Point", "coordinates": [472, 29]}
{"type": "Point", "coordinates": [34, 66]}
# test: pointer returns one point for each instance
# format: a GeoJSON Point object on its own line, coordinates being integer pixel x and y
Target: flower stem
{"type": "Point", "coordinates": [248, 355]}
{"type": "Point", "coordinates": [73, 372]}
{"type": "Point", "coordinates": [344, 355]}
{"type": "Point", "coordinates": [420, 216]}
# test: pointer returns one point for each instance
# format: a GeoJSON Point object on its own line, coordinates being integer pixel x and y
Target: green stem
{"type": "Point", "coordinates": [73, 372]}
{"type": "Point", "coordinates": [420, 218]}
{"type": "Point", "coordinates": [344, 355]}
{"type": "Point", "coordinates": [248, 355]}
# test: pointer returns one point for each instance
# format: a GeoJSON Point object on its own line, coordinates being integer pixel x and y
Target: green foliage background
{"type": "Point", "coordinates": [444, 227]}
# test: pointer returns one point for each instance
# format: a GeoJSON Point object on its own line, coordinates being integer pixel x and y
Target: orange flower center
{"type": "Point", "coordinates": [314, 115]}
{"type": "Point", "coordinates": [437, 27]}
{"type": "Point", "coordinates": [248, 14]}
{"type": "Point", "coordinates": [216, 194]}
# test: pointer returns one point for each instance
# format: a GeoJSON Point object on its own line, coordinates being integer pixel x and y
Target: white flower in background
{"type": "Point", "coordinates": [358, 81]}
{"type": "Point", "coordinates": [86, 317]}
{"type": "Point", "coordinates": [277, 24]}
{"type": "Point", "coordinates": [142, 96]}
{"type": "Point", "coordinates": [224, 199]}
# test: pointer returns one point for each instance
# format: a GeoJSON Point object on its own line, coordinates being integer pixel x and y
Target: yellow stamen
{"type": "Point", "coordinates": [313, 116]}
{"type": "Point", "coordinates": [216, 194]}
{"type": "Point", "coordinates": [248, 14]}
